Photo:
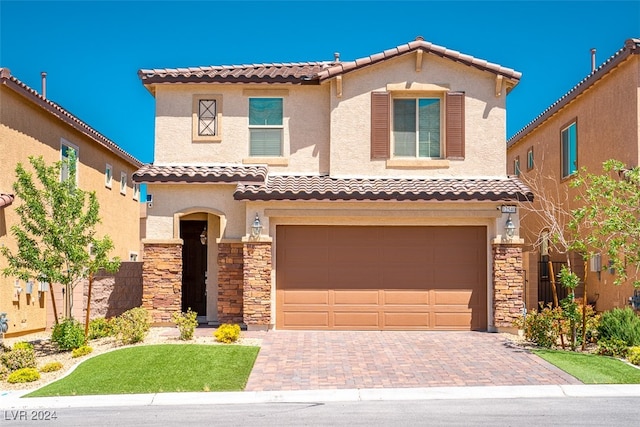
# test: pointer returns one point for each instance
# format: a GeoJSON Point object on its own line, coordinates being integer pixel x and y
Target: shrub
{"type": "Point", "coordinates": [541, 327]}
{"type": "Point", "coordinates": [634, 355]}
{"type": "Point", "coordinates": [186, 323]}
{"type": "Point", "coordinates": [227, 333]}
{"type": "Point", "coordinates": [622, 324]}
{"type": "Point", "coordinates": [132, 325]}
{"type": "Point", "coordinates": [23, 345]}
{"type": "Point", "coordinates": [68, 334]}
{"type": "Point", "coordinates": [613, 347]}
{"type": "Point", "coordinates": [101, 328]}
{"type": "Point", "coordinates": [19, 359]}
{"type": "Point", "coordinates": [52, 367]}
{"type": "Point", "coordinates": [4, 371]}
{"type": "Point", "coordinates": [81, 351]}
{"type": "Point", "coordinates": [24, 375]}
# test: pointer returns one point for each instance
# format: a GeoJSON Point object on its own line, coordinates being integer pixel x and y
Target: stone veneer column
{"type": "Point", "coordinates": [257, 285]}
{"type": "Point", "coordinates": [230, 266]}
{"type": "Point", "coordinates": [162, 279]}
{"type": "Point", "coordinates": [508, 282]}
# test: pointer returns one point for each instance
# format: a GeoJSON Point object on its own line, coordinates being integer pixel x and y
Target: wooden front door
{"type": "Point", "coordinates": [194, 267]}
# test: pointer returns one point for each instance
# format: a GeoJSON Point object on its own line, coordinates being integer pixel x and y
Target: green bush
{"type": "Point", "coordinates": [52, 367]}
{"type": "Point", "coordinates": [4, 371]}
{"type": "Point", "coordinates": [541, 327]}
{"type": "Point", "coordinates": [24, 375]}
{"type": "Point", "coordinates": [81, 351]}
{"type": "Point", "coordinates": [227, 333]}
{"type": "Point", "coordinates": [23, 345]}
{"type": "Point", "coordinates": [634, 355]}
{"type": "Point", "coordinates": [101, 328]}
{"type": "Point", "coordinates": [132, 325]}
{"type": "Point", "coordinates": [19, 358]}
{"type": "Point", "coordinates": [186, 323]}
{"type": "Point", "coordinates": [68, 334]}
{"type": "Point", "coordinates": [613, 347]}
{"type": "Point", "coordinates": [621, 324]}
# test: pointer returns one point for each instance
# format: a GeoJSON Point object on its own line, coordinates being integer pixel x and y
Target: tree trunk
{"type": "Point", "coordinates": [552, 278]}
{"type": "Point", "coordinates": [53, 302]}
{"type": "Point", "coordinates": [584, 309]}
{"type": "Point", "coordinates": [86, 326]}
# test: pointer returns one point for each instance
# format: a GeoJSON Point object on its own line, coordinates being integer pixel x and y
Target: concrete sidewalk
{"type": "Point", "coordinates": [13, 400]}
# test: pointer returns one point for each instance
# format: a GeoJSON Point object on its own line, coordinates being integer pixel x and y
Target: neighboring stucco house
{"type": "Point", "coordinates": [597, 120]}
{"type": "Point", "coordinates": [32, 125]}
{"type": "Point", "coordinates": [334, 195]}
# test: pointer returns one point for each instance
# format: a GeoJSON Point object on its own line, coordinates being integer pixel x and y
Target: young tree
{"type": "Point", "coordinates": [610, 216]}
{"type": "Point", "coordinates": [56, 235]}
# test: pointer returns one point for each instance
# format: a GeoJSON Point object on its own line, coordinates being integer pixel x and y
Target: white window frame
{"type": "Point", "coordinates": [123, 183]}
{"type": "Point", "coordinates": [63, 172]}
{"type": "Point", "coordinates": [417, 98]}
{"type": "Point", "coordinates": [280, 127]}
{"type": "Point", "coordinates": [133, 256]}
{"type": "Point", "coordinates": [108, 175]}
{"type": "Point", "coordinates": [570, 169]}
{"type": "Point", "coordinates": [136, 191]}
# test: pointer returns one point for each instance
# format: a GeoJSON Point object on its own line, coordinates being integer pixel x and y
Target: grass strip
{"type": "Point", "coordinates": [591, 368]}
{"type": "Point", "coordinates": [158, 369]}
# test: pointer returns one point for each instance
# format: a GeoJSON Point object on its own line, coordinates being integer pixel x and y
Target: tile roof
{"type": "Point", "coordinates": [6, 79]}
{"type": "Point", "coordinates": [200, 173]}
{"type": "Point", "coordinates": [631, 47]}
{"type": "Point", "coordinates": [310, 72]}
{"type": "Point", "coordinates": [282, 187]}
{"type": "Point", "coordinates": [5, 199]}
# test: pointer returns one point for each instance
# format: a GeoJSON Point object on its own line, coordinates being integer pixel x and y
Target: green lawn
{"type": "Point", "coordinates": [157, 369]}
{"type": "Point", "coordinates": [591, 368]}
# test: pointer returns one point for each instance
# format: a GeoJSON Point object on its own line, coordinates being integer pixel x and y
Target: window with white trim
{"type": "Point", "coordinates": [108, 175]}
{"type": "Point", "coordinates": [136, 191]}
{"type": "Point", "coordinates": [66, 150]}
{"type": "Point", "coordinates": [123, 183]}
{"type": "Point", "coordinates": [416, 127]}
{"type": "Point", "coordinates": [266, 128]}
{"type": "Point", "coordinates": [516, 166]}
{"type": "Point", "coordinates": [530, 159]}
{"type": "Point", "coordinates": [569, 140]}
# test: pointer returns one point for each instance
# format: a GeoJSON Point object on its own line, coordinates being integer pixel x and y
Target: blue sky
{"type": "Point", "coordinates": [92, 50]}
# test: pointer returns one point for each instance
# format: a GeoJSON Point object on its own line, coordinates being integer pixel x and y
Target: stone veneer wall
{"type": "Point", "coordinates": [257, 284]}
{"type": "Point", "coordinates": [162, 280]}
{"type": "Point", "coordinates": [114, 293]}
{"type": "Point", "coordinates": [230, 282]}
{"type": "Point", "coordinates": [508, 281]}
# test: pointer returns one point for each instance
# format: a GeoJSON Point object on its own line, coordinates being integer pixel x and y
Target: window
{"type": "Point", "coordinates": [108, 175]}
{"type": "Point", "coordinates": [416, 127]}
{"type": "Point", "coordinates": [68, 150]}
{"type": "Point", "coordinates": [569, 150]}
{"type": "Point", "coordinates": [123, 183]}
{"type": "Point", "coordinates": [133, 256]}
{"type": "Point", "coordinates": [265, 127]}
{"type": "Point", "coordinates": [136, 191]}
{"type": "Point", "coordinates": [207, 117]}
{"type": "Point", "coordinates": [516, 166]}
{"type": "Point", "coordinates": [530, 158]}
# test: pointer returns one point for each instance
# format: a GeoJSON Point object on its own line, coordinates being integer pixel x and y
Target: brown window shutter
{"type": "Point", "coordinates": [455, 125]}
{"type": "Point", "coordinates": [380, 147]}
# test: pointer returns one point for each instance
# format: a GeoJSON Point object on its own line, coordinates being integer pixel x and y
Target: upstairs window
{"type": "Point", "coordinates": [123, 183]}
{"type": "Point", "coordinates": [569, 140]}
{"type": "Point", "coordinates": [136, 191]}
{"type": "Point", "coordinates": [530, 159]}
{"type": "Point", "coordinates": [516, 166]}
{"type": "Point", "coordinates": [207, 118]}
{"type": "Point", "coordinates": [265, 127]}
{"type": "Point", "coordinates": [108, 175]}
{"type": "Point", "coordinates": [69, 168]}
{"type": "Point", "coordinates": [416, 127]}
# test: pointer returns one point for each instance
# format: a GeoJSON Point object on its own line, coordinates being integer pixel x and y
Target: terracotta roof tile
{"type": "Point", "coordinates": [5, 199]}
{"type": "Point", "coordinates": [56, 110]}
{"type": "Point", "coordinates": [283, 187]}
{"type": "Point", "coordinates": [200, 173]}
{"type": "Point", "coordinates": [309, 72]}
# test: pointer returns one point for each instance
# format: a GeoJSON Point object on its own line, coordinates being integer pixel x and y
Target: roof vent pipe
{"type": "Point", "coordinates": [336, 57]}
{"type": "Point", "coordinates": [44, 84]}
{"type": "Point", "coordinates": [593, 59]}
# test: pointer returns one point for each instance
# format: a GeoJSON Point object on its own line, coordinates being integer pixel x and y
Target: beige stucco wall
{"type": "Point", "coordinates": [485, 118]}
{"type": "Point", "coordinates": [608, 117]}
{"type": "Point", "coordinates": [306, 126]}
{"type": "Point", "coordinates": [27, 130]}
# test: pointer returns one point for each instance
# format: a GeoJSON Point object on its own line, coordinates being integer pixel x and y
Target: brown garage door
{"type": "Point", "coordinates": [349, 277]}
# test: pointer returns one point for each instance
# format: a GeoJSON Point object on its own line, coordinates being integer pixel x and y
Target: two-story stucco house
{"type": "Point", "coordinates": [334, 195]}
{"type": "Point", "coordinates": [597, 120]}
{"type": "Point", "coordinates": [33, 125]}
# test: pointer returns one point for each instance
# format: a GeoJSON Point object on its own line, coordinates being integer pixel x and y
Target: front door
{"type": "Point", "coordinates": [194, 267]}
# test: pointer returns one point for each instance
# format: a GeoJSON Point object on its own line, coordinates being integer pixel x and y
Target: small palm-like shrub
{"type": "Point", "coordinates": [186, 323]}
{"type": "Point", "coordinates": [18, 359]}
{"type": "Point", "coordinates": [634, 355]}
{"type": "Point", "coordinates": [51, 367]}
{"type": "Point", "coordinates": [81, 351]}
{"type": "Point", "coordinates": [132, 325]}
{"type": "Point", "coordinates": [101, 328]}
{"type": "Point", "coordinates": [622, 324]}
{"type": "Point", "coordinates": [23, 345]}
{"type": "Point", "coordinates": [24, 375]}
{"type": "Point", "coordinates": [227, 333]}
{"type": "Point", "coordinates": [68, 334]}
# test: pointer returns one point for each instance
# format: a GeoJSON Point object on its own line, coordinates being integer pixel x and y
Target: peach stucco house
{"type": "Point", "coordinates": [597, 120]}
{"type": "Point", "coordinates": [33, 125]}
{"type": "Point", "coordinates": [360, 194]}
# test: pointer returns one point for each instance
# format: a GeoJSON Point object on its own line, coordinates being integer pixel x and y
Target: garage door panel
{"type": "Point", "coordinates": [356, 298]}
{"type": "Point", "coordinates": [381, 277]}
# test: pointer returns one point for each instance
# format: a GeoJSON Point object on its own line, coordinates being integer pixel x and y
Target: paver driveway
{"type": "Point", "coordinates": [302, 360]}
